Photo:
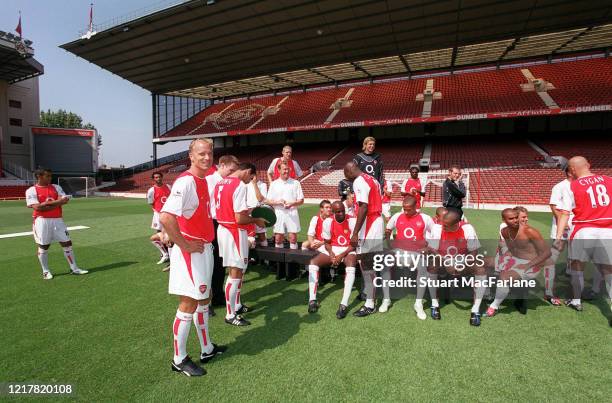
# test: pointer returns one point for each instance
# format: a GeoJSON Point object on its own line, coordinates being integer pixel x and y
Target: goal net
{"type": "Point", "coordinates": [77, 186]}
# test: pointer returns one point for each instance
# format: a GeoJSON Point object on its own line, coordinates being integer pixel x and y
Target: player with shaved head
{"type": "Point", "coordinates": [367, 236]}
{"type": "Point", "coordinates": [336, 233]}
{"type": "Point", "coordinates": [440, 212]}
{"type": "Point", "coordinates": [528, 254]}
{"type": "Point", "coordinates": [588, 197]}
{"type": "Point", "coordinates": [411, 229]}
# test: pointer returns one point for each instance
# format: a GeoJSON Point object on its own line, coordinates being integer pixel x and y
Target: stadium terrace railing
{"type": "Point", "coordinates": [18, 171]}
{"type": "Point", "coordinates": [145, 166]}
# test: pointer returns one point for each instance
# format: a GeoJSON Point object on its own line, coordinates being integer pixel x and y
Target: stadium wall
{"type": "Point", "coordinates": [19, 110]}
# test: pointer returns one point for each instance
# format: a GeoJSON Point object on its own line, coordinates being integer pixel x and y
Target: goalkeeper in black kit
{"type": "Point", "coordinates": [370, 162]}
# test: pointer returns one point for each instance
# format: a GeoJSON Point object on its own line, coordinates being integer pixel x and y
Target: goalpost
{"type": "Point", "coordinates": [80, 186]}
{"type": "Point", "coordinates": [432, 184]}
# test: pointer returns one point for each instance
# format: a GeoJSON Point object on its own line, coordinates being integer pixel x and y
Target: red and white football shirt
{"type": "Point", "coordinates": [367, 190]}
{"type": "Point", "coordinates": [589, 199]}
{"type": "Point", "coordinates": [411, 185]}
{"type": "Point", "coordinates": [189, 202]}
{"type": "Point", "coordinates": [385, 198]}
{"type": "Point", "coordinates": [316, 227]}
{"type": "Point", "coordinates": [458, 242]}
{"type": "Point", "coordinates": [39, 194]}
{"type": "Point", "coordinates": [230, 198]}
{"type": "Point", "coordinates": [294, 169]}
{"type": "Point", "coordinates": [157, 196]}
{"type": "Point", "coordinates": [338, 233]}
{"type": "Point", "coordinates": [411, 231]}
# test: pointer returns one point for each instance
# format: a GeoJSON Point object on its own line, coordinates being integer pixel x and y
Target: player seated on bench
{"type": "Point", "coordinates": [315, 239]}
{"type": "Point", "coordinates": [454, 243]}
{"type": "Point", "coordinates": [337, 249]}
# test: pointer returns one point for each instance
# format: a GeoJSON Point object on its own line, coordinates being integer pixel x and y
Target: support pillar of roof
{"type": "Point", "coordinates": [359, 68]}
{"type": "Point", "coordinates": [572, 39]}
{"type": "Point", "coordinates": [154, 121]}
{"type": "Point", "coordinates": [508, 49]}
{"type": "Point", "coordinates": [405, 63]}
{"type": "Point", "coordinates": [453, 59]}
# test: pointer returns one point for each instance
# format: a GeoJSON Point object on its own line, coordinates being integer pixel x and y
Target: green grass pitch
{"type": "Point", "coordinates": [109, 333]}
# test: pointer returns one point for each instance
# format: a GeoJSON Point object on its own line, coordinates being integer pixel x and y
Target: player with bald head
{"type": "Point", "coordinates": [411, 229]}
{"type": "Point", "coordinates": [440, 211]}
{"type": "Point", "coordinates": [588, 197]}
{"type": "Point", "coordinates": [336, 249]}
{"type": "Point", "coordinates": [367, 237]}
{"type": "Point", "coordinates": [528, 254]}
{"type": "Point", "coordinates": [455, 242]}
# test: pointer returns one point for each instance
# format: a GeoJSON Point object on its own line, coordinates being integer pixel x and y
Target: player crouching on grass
{"type": "Point", "coordinates": [528, 253]}
{"type": "Point", "coordinates": [336, 249]}
{"type": "Point", "coordinates": [156, 197]}
{"type": "Point", "coordinates": [186, 220]}
{"type": "Point", "coordinates": [47, 200]}
{"type": "Point", "coordinates": [456, 243]}
{"type": "Point", "coordinates": [230, 198]}
{"type": "Point", "coordinates": [503, 254]}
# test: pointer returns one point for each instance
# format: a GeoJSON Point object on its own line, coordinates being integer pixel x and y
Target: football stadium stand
{"type": "Point", "coordinates": [530, 89]}
{"type": "Point", "coordinates": [597, 150]}
{"type": "Point", "coordinates": [8, 192]}
{"type": "Point", "coordinates": [501, 170]}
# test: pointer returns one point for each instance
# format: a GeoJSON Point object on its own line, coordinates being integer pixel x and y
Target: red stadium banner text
{"type": "Point", "coordinates": [54, 131]}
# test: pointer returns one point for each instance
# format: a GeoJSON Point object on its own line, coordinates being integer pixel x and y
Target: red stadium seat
{"type": "Point", "coordinates": [576, 83]}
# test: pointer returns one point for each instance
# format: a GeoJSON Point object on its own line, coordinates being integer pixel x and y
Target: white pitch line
{"type": "Point", "coordinates": [16, 234]}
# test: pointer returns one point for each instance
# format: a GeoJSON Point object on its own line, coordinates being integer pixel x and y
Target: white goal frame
{"type": "Point", "coordinates": [86, 190]}
{"type": "Point", "coordinates": [438, 178]}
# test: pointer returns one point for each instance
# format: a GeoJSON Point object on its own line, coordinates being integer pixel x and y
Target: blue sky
{"type": "Point", "coordinates": [120, 110]}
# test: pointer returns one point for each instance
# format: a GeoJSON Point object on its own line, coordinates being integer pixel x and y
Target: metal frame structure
{"type": "Point", "coordinates": [212, 50]}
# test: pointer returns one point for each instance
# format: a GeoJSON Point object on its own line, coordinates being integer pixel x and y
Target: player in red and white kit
{"type": "Point", "coordinates": [412, 228]}
{"type": "Point", "coordinates": [386, 199]}
{"type": "Point", "coordinates": [367, 238]}
{"type": "Point", "coordinates": [454, 242]}
{"type": "Point", "coordinates": [413, 186]}
{"type": "Point", "coordinates": [315, 228]}
{"type": "Point", "coordinates": [350, 206]}
{"type": "Point", "coordinates": [440, 212]}
{"type": "Point", "coordinates": [588, 197]}
{"type": "Point", "coordinates": [187, 221]}
{"type": "Point", "coordinates": [156, 197]}
{"type": "Point", "coordinates": [256, 195]}
{"type": "Point", "coordinates": [47, 200]}
{"type": "Point", "coordinates": [230, 198]}
{"type": "Point", "coordinates": [336, 249]}
{"type": "Point", "coordinates": [274, 170]}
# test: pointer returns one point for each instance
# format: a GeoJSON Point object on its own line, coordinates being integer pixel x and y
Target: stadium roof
{"type": "Point", "coordinates": [212, 49]}
{"type": "Point", "coordinates": [16, 59]}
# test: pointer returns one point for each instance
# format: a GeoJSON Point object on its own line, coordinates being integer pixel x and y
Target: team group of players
{"type": "Point", "coordinates": [350, 231]}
